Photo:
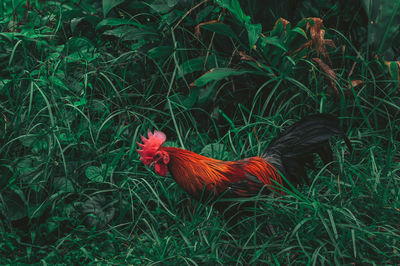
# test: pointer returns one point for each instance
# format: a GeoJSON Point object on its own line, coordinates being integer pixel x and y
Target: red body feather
{"type": "Point", "coordinates": [195, 173]}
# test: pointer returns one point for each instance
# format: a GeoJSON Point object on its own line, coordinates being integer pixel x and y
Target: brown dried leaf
{"type": "Point", "coordinates": [389, 63]}
{"type": "Point", "coordinates": [318, 38]}
{"type": "Point", "coordinates": [306, 45]}
{"type": "Point", "coordinates": [354, 83]}
{"type": "Point", "coordinates": [331, 74]}
{"type": "Point", "coordinates": [246, 57]}
{"type": "Point", "coordinates": [197, 28]}
{"type": "Point", "coordinates": [330, 43]}
{"type": "Point", "coordinates": [284, 23]}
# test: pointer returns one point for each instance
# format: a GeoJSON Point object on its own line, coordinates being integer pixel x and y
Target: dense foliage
{"type": "Point", "coordinates": [80, 81]}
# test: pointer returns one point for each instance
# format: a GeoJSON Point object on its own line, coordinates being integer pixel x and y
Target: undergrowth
{"type": "Point", "coordinates": [80, 81]}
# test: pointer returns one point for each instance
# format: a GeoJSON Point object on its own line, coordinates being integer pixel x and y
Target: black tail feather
{"type": "Point", "coordinates": [294, 148]}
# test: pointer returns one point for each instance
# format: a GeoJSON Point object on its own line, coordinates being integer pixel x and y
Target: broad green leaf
{"type": "Point", "coordinates": [275, 41]}
{"type": "Point", "coordinates": [14, 207]}
{"type": "Point", "coordinates": [74, 14]}
{"type": "Point", "coordinates": [171, 17]}
{"type": "Point", "coordinates": [5, 173]}
{"type": "Point", "coordinates": [27, 165]}
{"type": "Point", "coordinates": [137, 45]}
{"type": "Point", "coordinates": [163, 6]}
{"type": "Point", "coordinates": [191, 98]}
{"type": "Point", "coordinates": [203, 13]}
{"type": "Point", "coordinates": [279, 27]}
{"type": "Point", "coordinates": [394, 69]}
{"type": "Point", "coordinates": [215, 150]}
{"type": "Point", "coordinates": [207, 93]}
{"type": "Point", "coordinates": [110, 4]}
{"type": "Point", "coordinates": [160, 52]}
{"type": "Point", "coordinates": [220, 28]}
{"type": "Point", "coordinates": [116, 22]}
{"type": "Point", "coordinates": [299, 31]}
{"type": "Point", "coordinates": [193, 65]}
{"type": "Point", "coordinates": [98, 210]}
{"type": "Point", "coordinates": [75, 22]}
{"type": "Point", "coordinates": [63, 184]}
{"type": "Point", "coordinates": [28, 141]}
{"type": "Point", "coordinates": [254, 32]}
{"type": "Point", "coordinates": [51, 226]}
{"type": "Point", "coordinates": [79, 45]}
{"type": "Point", "coordinates": [200, 63]}
{"type": "Point", "coordinates": [129, 33]}
{"type": "Point", "coordinates": [82, 101]}
{"type": "Point", "coordinates": [57, 81]}
{"type": "Point", "coordinates": [218, 74]}
{"type": "Point", "coordinates": [234, 7]}
{"type": "Point", "coordinates": [40, 145]}
{"type": "Point", "coordinates": [94, 173]}
{"type": "Point", "coordinates": [384, 26]}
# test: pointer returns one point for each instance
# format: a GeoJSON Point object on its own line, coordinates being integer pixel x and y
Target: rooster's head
{"type": "Point", "coordinates": [150, 153]}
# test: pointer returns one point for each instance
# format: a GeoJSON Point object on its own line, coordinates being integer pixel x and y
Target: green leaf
{"type": "Point", "coordinates": [160, 52]}
{"type": "Point", "coordinates": [275, 41]}
{"type": "Point", "coordinates": [27, 165]}
{"type": "Point", "coordinates": [234, 7]}
{"type": "Point", "coordinates": [299, 31]}
{"type": "Point", "coordinates": [203, 13]}
{"type": "Point", "coordinates": [163, 6]}
{"type": "Point", "coordinates": [94, 173]}
{"type": "Point", "coordinates": [14, 207]}
{"type": "Point", "coordinates": [129, 33]}
{"type": "Point", "coordinates": [110, 4]}
{"type": "Point", "coordinates": [66, 138]}
{"type": "Point", "coordinates": [98, 211]}
{"type": "Point", "coordinates": [63, 184]}
{"type": "Point", "coordinates": [36, 210]}
{"type": "Point", "coordinates": [384, 16]}
{"type": "Point", "coordinates": [82, 101]}
{"type": "Point", "coordinates": [193, 65]}
{"type": "Point", "coordinates": [5, 174]}
{"type": "Point", "coordinates": [116, 22]}
{"type": "Point", "coordinates": [28, 140]}
{"type": "Point", "coordinates": [199, 63]}
{"type": "Point", "coordinates": [218, 74]}
{"type": "Point", "coordinates": [207, 93]}
{"type": "Point", "coordinates": [394, 69]}
{"type": "Point", "coordinates": [215, 150]}
{"type": "Point", "coordinates": [220, 28]}
{"type": "Point", "coordinates": [254, 32]}
{"type": "Point", "coordinates": [51, 226]}
{"type": "Point", "coordinates": [191, 98]}
{"type": "Point", "coordinates": [75, 22]}
{"type": "Point", "coordinates": [278, 28]}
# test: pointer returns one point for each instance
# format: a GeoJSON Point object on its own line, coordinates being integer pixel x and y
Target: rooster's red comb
{"type": "Point", "coordinates": [150, 145]}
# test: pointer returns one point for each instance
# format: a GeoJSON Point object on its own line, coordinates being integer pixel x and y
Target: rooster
{"type": "Point", "coordinates": [281, 166]}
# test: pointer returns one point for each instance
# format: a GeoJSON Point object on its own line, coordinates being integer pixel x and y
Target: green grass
{"type": "Point", "coordinates": [80, 82]}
